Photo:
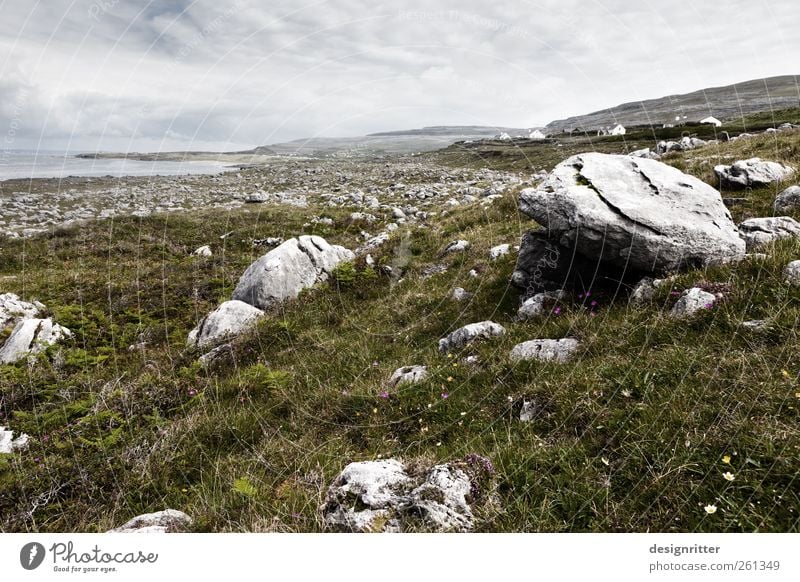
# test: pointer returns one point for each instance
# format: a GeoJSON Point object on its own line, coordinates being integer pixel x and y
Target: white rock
{"type": "Point", "coordinates": [169, 520]}
{"type": "Point", "coordinates": [364, 492]}
{"type": "Point", "coordinates": [31, 336]}
{"type": "Point", "coordinates": [545, 350]}
{"type": "Point", "coordinates": [204, 251]}
{"type": "Point", "coordinates": [634, 213]}
{"type": "Point", "coordinates": [229, 319]}
{"type": "Point", "coordinates": [693, 301]}
{"type": "Point", "coordinates": [499, 251]}
{"type": "Point", "coordinates": [9, 444]}
{"type": "Point", "coordinates": [407, 375]}
{"type": "Point", "coordinates": [288, 269]}
{"type": "Point", "coordinates": [757, 232]}
{"type": "Point", "coordinates": [792, 273]}
{"type": "Point", "coordinates": [441, 501]}
{"type": "Point", "coordinates": [788, 200]}
{"type": "Point", "coordinates": [471, 332]}
{"type": "Point", "coordinates": [457, 246]}
{"type": "Point", "coordinates": [461, 294]}
{"type": "Point", "coordinates": [751, 173]}
{"type": "Point", "coordinates": [538, 304]}
{"type": "Point", "coordinates": [13, 309]}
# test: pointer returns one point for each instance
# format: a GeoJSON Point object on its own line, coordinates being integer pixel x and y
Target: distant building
{"type": "Point", "coordinates": [536, 134]}
{"type": "Point", "coordinates": [504, 136]}
{"type": "Point", "coordinates": [617, 130]}
{"type": "Point", "coordinates": [710, 120]}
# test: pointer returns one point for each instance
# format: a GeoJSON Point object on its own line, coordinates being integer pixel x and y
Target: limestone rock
{"type": "Point", "coordinates": [288, 269]}
{"type": "Point", "coordinates": [9, 444]}
{"type": "Point", "coordinates": [407, 375]}
{"type": "Point", "coordinates": [229, 319]}
{"type": "Point", "coordinates": [788, 200]}
{"type": "Point", "coordinates": [693, 301]}
{"type": "Point", "coordinates": [751, 173]}
{"type": "Point", "coordinates": [792, 273]}
{"type": "Point", "coordinates": [635, 213]}
{"type": "Point", "coordinates": [31, 336]}
{"type": "Point", "coordinates": [545, 350]}
{"type": "Point", "coordinates": [500, 250]}
{"type": "Point", "coordinates": [539, 304]}
{"type": "Point", "coordinates": [167, 521]}
{"type": "Point", "coordinates": [469, 333]}
{"type": "Point", "coordinates": [760, 231]}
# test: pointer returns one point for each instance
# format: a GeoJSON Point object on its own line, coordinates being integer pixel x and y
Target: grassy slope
{"type": "Point", "coordinates": [631, 437]}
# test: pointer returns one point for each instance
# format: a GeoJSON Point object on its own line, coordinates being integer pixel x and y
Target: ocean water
{"type": "Point", "coordinates": [49, 164]}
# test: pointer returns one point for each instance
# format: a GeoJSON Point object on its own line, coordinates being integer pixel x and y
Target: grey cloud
{"type": "Point", "coordinates": [198, 73]}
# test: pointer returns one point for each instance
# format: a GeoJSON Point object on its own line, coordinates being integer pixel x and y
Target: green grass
{"type": "Point", "coordinates": [630, 437]}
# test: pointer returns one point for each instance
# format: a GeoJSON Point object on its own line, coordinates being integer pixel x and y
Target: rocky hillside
{"type": "Point", "coordinates": [725, 103]}
{"type": "Point", "coordinates": [608, 343]}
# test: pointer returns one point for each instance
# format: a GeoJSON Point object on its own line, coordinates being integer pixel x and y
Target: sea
{"type": "Point", "coordinates": [15, 164]}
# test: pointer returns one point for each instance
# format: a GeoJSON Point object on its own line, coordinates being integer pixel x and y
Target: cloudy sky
{"type": "Point", "coordinates": [207, 74]}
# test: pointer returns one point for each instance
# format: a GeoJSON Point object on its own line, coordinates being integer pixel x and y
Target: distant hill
{"type": "Point", "coordinates": [725, 103]}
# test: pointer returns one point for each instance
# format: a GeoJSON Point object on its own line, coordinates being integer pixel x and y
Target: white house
{"type": "Point", "coordinates": [536, 134]}
{"type": "Point", "coordinates": [712, 121]}
{"type": "Point", "coordinates": [503, 136]}
{"type": "Point", "coordinates": [617, 130]}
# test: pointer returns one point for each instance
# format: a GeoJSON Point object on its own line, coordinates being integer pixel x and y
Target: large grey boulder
{"type": "Point", "coordinates": [545, 350]}
{"type": "Point", "coordinates": [751, 173]}
{"type": "Point", "coordinates": [635, 213]}
{"type": "Point", "coordinates": [788, 200]}
{"type": "Point", "coordinates": [13, 309]}
{"type": "Point", "coordinates": [31, 336]}
{"type": "Point", "coordinates": [469, 333]}
{"type": "Point", "coordinates": [441, 500]}
{"type": "Point", "coordinates": [757, 232]}
{"type": "Point", "coordinates": [693, 301]}
{"type": "Point", "coordinates": [167, 521]}
{"type": "Point", "coordinates": [9, 444]}
{"type": "Point", "coordinates": [288, 269]}
{"type": "Point", "coordinates": [229, 319]}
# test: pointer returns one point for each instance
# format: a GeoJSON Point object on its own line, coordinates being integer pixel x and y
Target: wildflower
{"type": "Point", "coordinates": [593, 303]}
{"type": "Point", "coordinates": [626, 393]}
{"type": "Point", "coordinates": [605, 461]}
{"type": "Point", "coordinates": [384, 394]}
{"type": "Point", "coordinates": [728, 476]}
{"type": "Point", "coordinates": [580, 295]}
{"type": "Point", "coordinates": [709, 305]}
{"type": "Point", "coordinates": [726, 459]}
{"type": "Point", "coordinates": [374, 411]}
{"type": "Point", "coordinates": [588, 293]}
{"type": "Point", "coordinates": [557, 310]}
{"type": "Point", "coordinates": [445, 395]}
{"type": "Point", "coordinates": [449, 378]}
{"type": "Point", "coordinates": [710, 509]}
{"type": "Point", "coordinates": [192, 392]}
{"type": "Point", "coordinates": [449, 355]}
{"type": "Point", "coordinates": [463, 414]}
{"type": "Point", "coordinates": [786, 374]}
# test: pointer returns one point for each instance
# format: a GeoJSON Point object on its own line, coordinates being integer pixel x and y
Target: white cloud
{"type": "Point", "coordinates": [140, 74]}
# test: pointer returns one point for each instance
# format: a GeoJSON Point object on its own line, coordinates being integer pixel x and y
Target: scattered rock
{"type": "Point", "coordinates": [457, 246]}
{"type": "Point", "coordinates": [216, 356]}
{"type": "Point", "coordinates": [407, 375]}
{"type": "Point", "coordinates": [545, 350]}
{"type": "Point", "coordinates": [229, 319]}
{"type": "Point", "coordinates": [13, 309]}
{"type": "Point", "coordinates": [529, 410]}
{"type": "Point", "coordinates": [755, 325]}
{"type": "Point", "coordinates": [9, 444]}
{"type": "Point", "coordinates": [31, 336]}
{"type": "Point", "coordinates": [792, 273]}
{"type": "Point", "coordinates": [467, 334]}
{"type": "Point", "coordinates": [539, 304]}
{"type": "Point", "coordinates": [285, 271]}
{"type": "Point", "coordinates": [167, 521]}
{"type": "Point", "coordinates": [364, 494]}
{"type": "Point", "coordinates": [760, 231]}
{"type": "Point", "coordinates": [635, 213]}
{"type": "Point", "coordinates": [499, 251]}
{"type": "Point", "coordinates": [204, 251]}
{"type": "Point", "coordinates": [788, 200]}
{"type": "Point", "coordinates": [461, 294]}
{"type": "Point", "coordinates": [271, 241]}
{"type": "Point", "coordinates": [432, 270]}
{"type": "Point", "coordinates": [257, 198]}
{"type": "Point", "coordinates": [693, 301]}
{"type": "Point", "coordinates": [372, 496]}
{"type": "Point", "coordinates": [751, 173]}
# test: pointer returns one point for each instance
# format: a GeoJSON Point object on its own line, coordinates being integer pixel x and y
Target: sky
{"type": "Point", "coordinates": [137, 75]}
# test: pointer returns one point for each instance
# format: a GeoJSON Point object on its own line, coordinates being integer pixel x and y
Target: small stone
{"type": "Point", "coordinates": [500, 250]}
{"type": "Point", "coordinates": [693, 301]}
{"type": "Point", "coordinates": [469, 333]}
{"type": "Point", "coordinates": [167, 521]}
{"type": "Point", "coordinates": [204, 251]}
{"type": "Point", "coordinates": [407, 375]}
{"type": "Point", "coordinates": [461, 294]}
{"type": "Point", "coordinates": [792, 273]}
{"type": "Point", "coordinates": [545, 350]}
